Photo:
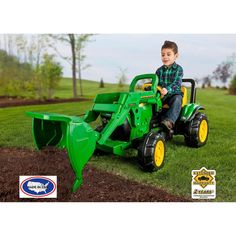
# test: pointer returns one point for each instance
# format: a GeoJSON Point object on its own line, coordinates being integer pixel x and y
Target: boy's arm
{"type": "Point", "coordinates": [176, 85]}
{"type": "Point", "coordinates": [158, 75]}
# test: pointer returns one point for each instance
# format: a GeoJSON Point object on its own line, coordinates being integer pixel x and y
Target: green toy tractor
{"type": "Point", "coordinates": [128, 120]}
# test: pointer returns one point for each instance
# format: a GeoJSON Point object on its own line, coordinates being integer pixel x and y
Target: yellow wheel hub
{"type": "Point", "coordinates": [203, 130]}
{"type": "Point", "coordinates": [159, 153]}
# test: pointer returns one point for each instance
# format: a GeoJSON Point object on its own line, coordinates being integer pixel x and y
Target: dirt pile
{"type": "Point", "coordinates": [98, 186]}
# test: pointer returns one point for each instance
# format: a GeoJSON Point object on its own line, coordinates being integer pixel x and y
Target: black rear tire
{"type": "Point", "coordinates": [196, 134]}
{"type": "Point", "coordinates": [151, 152]}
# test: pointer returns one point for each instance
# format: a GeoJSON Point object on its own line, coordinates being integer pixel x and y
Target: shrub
{"type": "Point", "coordinates": [232, 87]}
{"type": "Point", "coordinates": [48, 76]}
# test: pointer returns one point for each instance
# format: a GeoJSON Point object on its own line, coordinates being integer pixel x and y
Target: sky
{"type": "Point", "coordinates": [140, 54]}
{"type": "Point", "coordinates": [108, 54]}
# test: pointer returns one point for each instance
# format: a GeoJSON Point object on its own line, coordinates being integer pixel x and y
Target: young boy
{"type": "Point", "coordinates": [170, 78]}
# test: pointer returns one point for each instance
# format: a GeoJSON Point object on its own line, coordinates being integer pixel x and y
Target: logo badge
{"type": "Point", "coordinates": [203, 184]}
{"type": "Point", "coordinates": [38, 186]}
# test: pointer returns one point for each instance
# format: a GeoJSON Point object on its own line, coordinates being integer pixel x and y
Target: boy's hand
{"type": "Point", "coordinates": [164, 91]}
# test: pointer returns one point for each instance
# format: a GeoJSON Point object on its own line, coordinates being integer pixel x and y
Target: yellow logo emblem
{"type": "Point", "coordinates": [203, 177]}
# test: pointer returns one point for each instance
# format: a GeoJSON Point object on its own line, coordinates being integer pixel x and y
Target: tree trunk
{"type": "Point", "coordinates": [80, 79]}
{"type": "Point", "coordinates": [72, 43]}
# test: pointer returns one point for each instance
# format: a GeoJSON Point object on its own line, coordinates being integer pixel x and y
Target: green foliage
{"type": "Point", "coordinates": [64, 90]}
{"type": "Point", "coordinates": [232, 87]}
{"type": "Point", "coordinates": [19, 78]}
{"type": "Point", "coordinates": [47, 77]}
{"type": "Point", "coordinates": [15, 77]}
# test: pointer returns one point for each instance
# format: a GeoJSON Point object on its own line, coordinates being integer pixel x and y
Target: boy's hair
{"type": "Point", "coordinates": [171, 45]}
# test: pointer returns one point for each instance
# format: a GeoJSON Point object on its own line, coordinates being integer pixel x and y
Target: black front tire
{"type": "Point", "coordinates": [151, 152]}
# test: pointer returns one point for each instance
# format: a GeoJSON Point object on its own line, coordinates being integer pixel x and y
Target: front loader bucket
{"type": "Point", "coordinates": [69, 132]}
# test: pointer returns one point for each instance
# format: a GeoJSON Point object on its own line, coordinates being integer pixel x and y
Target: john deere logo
{"type": "Point", "coordinates": [203, 184]}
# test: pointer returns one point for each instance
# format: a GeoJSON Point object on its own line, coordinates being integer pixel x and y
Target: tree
{"type": "Point", "coordinates": [77, 44]}
{"type": "Point", "coordinates": [37, 48]}
{"type": "Point", "coordinates": [19, 63]}
{"type": "Point", "coordinates": [81, 41]}
{"type": "Point", "coordinates": [232, 87]}
{"type": "Point", "coordinates": [15, 77]}
{"type": "Point", "coordinates": [101, 85]}
{"type": "Point", "coordinates": [122, 78]}
{"type": "Point", "coordinates": [73, 53]}
{"type": "Point", "coordinates": [223, 72]}
{"type": "Point", "coordinates": [67, 39]}
{"type": "Point", "coordinates": [49, 73]}
{"type": "Point", "coordinates": [6, 43]}
{"type": "Point", "coordinates": [27, 48]}
{"type": "Point", "coordinates": [206, 81]}
{"type": "Point", "coordinates": [21, 47]}
{"type": "Point", "coordinates": [10, 81]}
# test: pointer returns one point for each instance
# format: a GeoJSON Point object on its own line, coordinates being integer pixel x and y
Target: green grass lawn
{"type": "Point", "coordinates": [218, 154]}
{"type": "Point", "coordinates": [65, 89]}
{"type": "Point", "coordinates": [90, 88]}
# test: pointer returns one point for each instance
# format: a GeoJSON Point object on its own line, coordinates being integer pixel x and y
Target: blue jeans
{"type": "Point", "coordinates": [175, 103]}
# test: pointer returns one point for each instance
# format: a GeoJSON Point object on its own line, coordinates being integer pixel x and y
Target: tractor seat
{"type": "Point", "coordinates": [147, 87]}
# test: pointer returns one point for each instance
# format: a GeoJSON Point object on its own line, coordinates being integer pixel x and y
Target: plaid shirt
{"type": "Point", "coordinates": [170, 78]}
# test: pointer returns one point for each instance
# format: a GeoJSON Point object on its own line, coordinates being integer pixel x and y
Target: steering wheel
{"type": "Point", "coordinates": [159, 88]}
{"type": "Point", "coordinates": [153, 77]}
{"type": "Point", "coordinates": [147, 87]}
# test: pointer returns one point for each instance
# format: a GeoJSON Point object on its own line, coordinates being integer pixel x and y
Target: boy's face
{"type": "Point", "coordinates": [168, 56]}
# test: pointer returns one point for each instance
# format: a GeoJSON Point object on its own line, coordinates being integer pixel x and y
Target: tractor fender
{"type": "Point", "coordinates": [189, 111]}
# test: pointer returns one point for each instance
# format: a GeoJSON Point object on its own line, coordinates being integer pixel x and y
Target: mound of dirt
{"type": "Point", "coordinates": [98, 186]}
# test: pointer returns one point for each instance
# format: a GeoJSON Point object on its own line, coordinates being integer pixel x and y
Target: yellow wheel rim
{"type": "Point", "coordinates": [203, 130]}
{"type": "Point", "coordinates": [159, 153]}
